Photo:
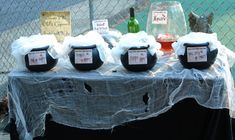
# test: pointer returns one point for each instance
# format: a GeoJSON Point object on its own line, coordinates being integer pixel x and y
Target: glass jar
{"type": "Point", "coordinates": [166, 22]}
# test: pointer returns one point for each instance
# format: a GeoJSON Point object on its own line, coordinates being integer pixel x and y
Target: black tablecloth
{"type": "Point", "coordinates": [186, 120]}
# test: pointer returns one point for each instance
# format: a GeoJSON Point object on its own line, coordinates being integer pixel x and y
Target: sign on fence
{"type": "Point", "coordinates": [57, 23]}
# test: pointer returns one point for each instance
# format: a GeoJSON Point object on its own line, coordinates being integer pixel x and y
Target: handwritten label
{"type": "Point", "coordinates": [57, 23]}
{"type": "Point", "coordinates": [83, 56]}
{"type": "Point", "coordinates": [37, 58]}
{"type": "Point", "coordinates": [159, 17]}
{"type": "Point", "coordinates": [197, 54]}
{"type": "Point", "coordinates": [101, 26]}
{"type": "Point", "coordinates": [137, 57]}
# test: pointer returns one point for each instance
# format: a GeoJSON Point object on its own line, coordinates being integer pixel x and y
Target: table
{"type": "Point", "coordinates": [109, 97]}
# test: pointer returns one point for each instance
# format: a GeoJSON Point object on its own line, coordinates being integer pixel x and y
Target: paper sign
{"type": "Point", "coordinates": [37, 58]}
{"type": "Point", "coordinates": [57, 23]}
{"type": "Point", "coordinates": [83, 56]}
{"type": "Point", "coordinates": [159, 17]}
{"type": "Point", "coordinates": [197, 54]}
{"type": "Point", "coordinates": [101, 26]}
{"type": "Point", "coordinates": [137, 57]}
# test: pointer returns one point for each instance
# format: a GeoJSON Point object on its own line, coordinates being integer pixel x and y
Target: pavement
{"type": "Point", "coordinates": [4, 135]}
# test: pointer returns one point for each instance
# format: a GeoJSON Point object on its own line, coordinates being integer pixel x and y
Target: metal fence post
{"type": "Point", "coordinates": [91, 12]}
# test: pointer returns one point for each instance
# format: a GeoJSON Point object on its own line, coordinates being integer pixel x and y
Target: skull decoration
{"type": "Point", "coordinates": [200, 23]}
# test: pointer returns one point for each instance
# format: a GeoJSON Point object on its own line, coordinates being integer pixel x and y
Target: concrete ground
{"type": "Point", "coordinates": [3, 123]}
{"type": "Point", "coordinates": [4, 136]}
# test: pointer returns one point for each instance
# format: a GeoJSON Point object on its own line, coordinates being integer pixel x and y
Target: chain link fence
{"type": "Point", "coordinates": [21, 18]}
{"type": "Point", "coordinates": [223, 19]}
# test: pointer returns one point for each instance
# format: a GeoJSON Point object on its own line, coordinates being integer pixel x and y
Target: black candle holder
{"type": "Point", "coordinates": [48, 62]}
{"type": "Point", "coordinates": [95, 63]}
{"type": "Point", "coordinates": [151, 60]}
{"type": "Point", "coordinates": [211, 57]}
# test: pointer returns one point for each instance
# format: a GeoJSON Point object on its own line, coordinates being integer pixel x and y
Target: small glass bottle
{"type": "Point", "coordinates": [133, 24]}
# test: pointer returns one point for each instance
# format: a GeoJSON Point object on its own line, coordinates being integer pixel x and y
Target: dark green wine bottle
{"type": "Point", "coordinates": [133, 24]}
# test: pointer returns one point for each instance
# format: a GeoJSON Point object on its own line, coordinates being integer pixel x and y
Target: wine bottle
{"type": "Point", "coordinates": [133, 24]}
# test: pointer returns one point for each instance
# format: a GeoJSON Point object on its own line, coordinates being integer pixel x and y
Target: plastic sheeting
{"type": "Point", "coordinates": [111, 95]}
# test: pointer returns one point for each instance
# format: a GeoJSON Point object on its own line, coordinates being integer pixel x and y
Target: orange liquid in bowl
{"type": "Point", "coordinates": [166, 42]}
{"type": "Point", "coordinates": [166, 46]}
